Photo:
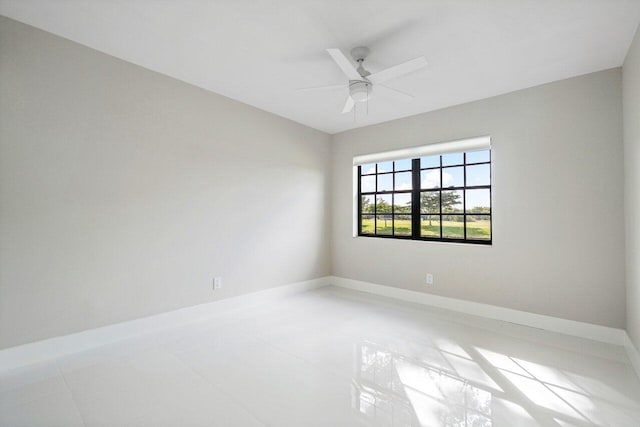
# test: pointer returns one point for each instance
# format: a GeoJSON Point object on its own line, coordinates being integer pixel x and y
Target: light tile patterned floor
{"type": "Point", "coordinates": [330, 358]}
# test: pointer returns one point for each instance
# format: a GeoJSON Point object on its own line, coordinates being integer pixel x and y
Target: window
{"type": "Point", "coordinates": [439, 197]}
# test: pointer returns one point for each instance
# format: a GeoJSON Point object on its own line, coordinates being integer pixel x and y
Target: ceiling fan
{"type": "Point", "coordinates": [361, 82]}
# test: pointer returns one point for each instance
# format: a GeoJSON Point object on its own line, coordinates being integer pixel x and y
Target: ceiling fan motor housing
{"type": "Point", "coordinates": [360, 90]}
{"type": "Point", "coordinates": [360, 53]}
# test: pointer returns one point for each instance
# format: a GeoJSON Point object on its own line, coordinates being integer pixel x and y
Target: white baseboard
{"type": "Point", "coordinates": [38, 351]}
{"type": "Point", "coordinates": [633, 354]}
{"type": "Point", "coordinates": [554, 324]}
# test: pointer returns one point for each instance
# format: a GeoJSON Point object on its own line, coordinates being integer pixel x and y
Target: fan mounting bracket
{"type": "Point", "coordinates": [360, 53]}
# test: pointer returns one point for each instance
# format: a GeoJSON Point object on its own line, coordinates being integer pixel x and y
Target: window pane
{"type": "Point", "coordinates": [452, 159]}
{"type": "Point", "coordinates": [402, 165]}
{"type": "Point", "coordinates": [368, 169]}
{"type": "Point", "coordinates": [453, 177]}
{"type": "Point", "coordinates": [385, 167]}
{"type": "Point", "coordinates": [403, 181]}
{"type": "Point", "coordinates": [430, 202]}
{"type": "Point", "coordinates": [384, 224]}
{"type": "Point", "coordinates": [402, 203]}
{"type": "Point", "coordinates": [479, 227]}
{"type": "Point", "coordinates": [430, 178]}
{"type": "Point", "coordinates": [452, 201]}
{"type": "Point", "coordinates": [478, 156]}
{"type": "Point", "coordinates": [453, 226]}
{"type": "Point", "coordinates": [478, 201]}
{"type": "Point", "coordinates": [385, 182]}
{"type": "Point", "coordinates": [383, 204]}
{"type": "Point", "coordinates": [478, 175]}
{"type": "Point", "coordinates": [367, 204]}
{"type": "Point", "coordinates": [402, 225]}
{"type": "Point", "coordinates": [368, 184]}
{"type": "Point", "coordinates": [430, 225]}
{"type": "Point", "coordinates": [430, 162]}
{"type": "Point", "coordinates": [367, 224]}
{"type": "Point", "coordinates": [451, 204]}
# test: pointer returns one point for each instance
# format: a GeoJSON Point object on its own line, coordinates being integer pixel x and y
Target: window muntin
{"type": "Point", "coordinates": [385, 195]}
{"type": "Point", "coordinates": [443, 197]}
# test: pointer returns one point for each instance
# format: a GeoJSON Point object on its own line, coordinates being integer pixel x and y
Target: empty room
{"type": "Point", "coordinates": [300, 213]}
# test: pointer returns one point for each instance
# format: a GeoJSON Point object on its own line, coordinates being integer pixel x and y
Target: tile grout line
{"type": "Point", "coordinates": [301, 358]}
{"type": "Point", "coordinates": [273, 347]}
{"type": "Point", "coordinates": [73, 398]}
{"type": "Point", "coordinates": [230, 396]}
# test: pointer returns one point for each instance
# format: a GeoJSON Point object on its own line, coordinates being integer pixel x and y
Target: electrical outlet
{"type": "Point", "coordinates": [429, 279]}
{"type": "Point", "coordinates": [217, 283]}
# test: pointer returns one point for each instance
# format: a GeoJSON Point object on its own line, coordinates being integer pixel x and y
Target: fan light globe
{"type": "Point", "coordinates": [359, 91]}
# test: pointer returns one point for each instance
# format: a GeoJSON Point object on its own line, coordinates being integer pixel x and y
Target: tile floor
{"type": "Point", "coordinates": [330, 358]}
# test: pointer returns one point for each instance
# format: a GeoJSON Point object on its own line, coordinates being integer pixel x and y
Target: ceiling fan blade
{"type": "Point", "coordinates": [329, 87]}
{"type": "Point", "coordinates": [348, 105]}
{"type": "Point", "coordinates": [391, 92]}
{"type": "Point", "coordinates": [398, 70]}
{"type": "Point", "coordinates": [345, 65]}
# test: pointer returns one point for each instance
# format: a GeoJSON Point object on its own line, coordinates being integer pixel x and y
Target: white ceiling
{"type": "Point", "coordinates": [259, 52]}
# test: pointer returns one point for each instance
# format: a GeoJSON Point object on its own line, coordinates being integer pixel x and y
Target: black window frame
{"type": "Point", "coordinates": [416, 192]}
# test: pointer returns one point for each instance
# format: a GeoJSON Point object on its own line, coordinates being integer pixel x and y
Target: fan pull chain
{"type": "Point", "coordinates": [368, 96]}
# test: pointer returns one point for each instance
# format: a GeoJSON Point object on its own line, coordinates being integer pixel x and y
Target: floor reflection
{"type": "Point", "coordinates": [439, 383]}
{"type": "Point", "coordinates": [390, 389]}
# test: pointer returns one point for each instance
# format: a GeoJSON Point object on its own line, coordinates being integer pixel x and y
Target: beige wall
{"type": "Point", "coordinates": [558, 194]}
{"type": "Point", "coordinates": [123, 192]}
{"type": "Point", "coordinates": [631, 103]}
